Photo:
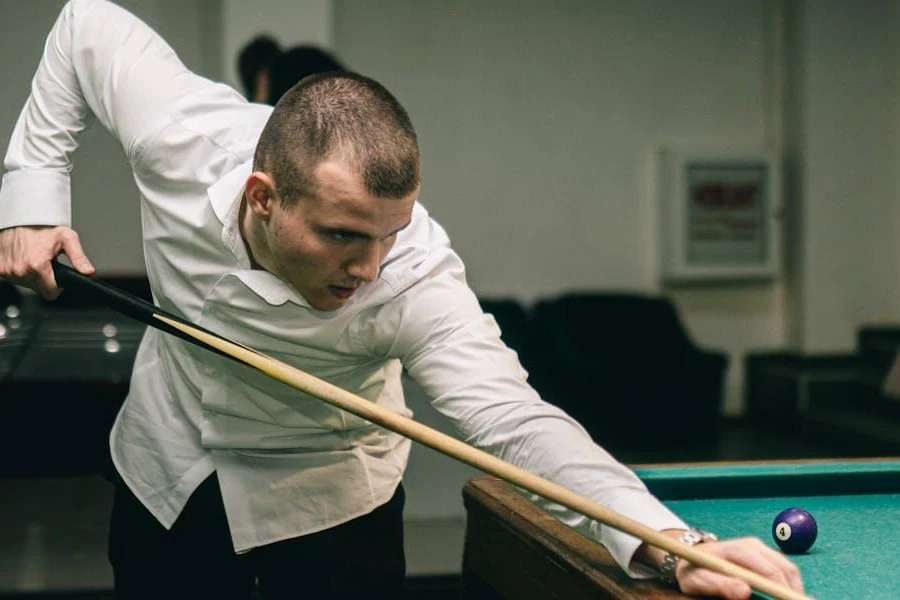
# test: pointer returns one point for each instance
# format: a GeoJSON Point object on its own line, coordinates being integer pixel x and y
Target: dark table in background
{"type": "Point", "coordinates": [64, 372]}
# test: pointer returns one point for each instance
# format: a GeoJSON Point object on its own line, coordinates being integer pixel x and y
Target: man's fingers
{"type": "Point", "coordinates": [750, 553]}
{"type": "Point", "coordinates": [26, 252]}
{"type": "Point", "coordinates": [756, 556]}
{"type": "Point", "coordinates": [71, 246]}
{"type": "Point", "coordinates": [703, 582]}
{"type": "Point", "coordinates": [787, 566]}
{"type": "Point", "coordinates": [44, 282]}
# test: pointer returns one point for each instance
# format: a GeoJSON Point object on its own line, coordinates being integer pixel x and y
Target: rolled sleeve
{"type": "Point", "coordinates": [641, 507]}
{"type": "Point", "coordinates": [48, 194]}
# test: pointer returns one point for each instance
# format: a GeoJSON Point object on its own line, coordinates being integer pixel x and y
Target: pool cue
{"type": "Point", "coordinates": [155, 317]}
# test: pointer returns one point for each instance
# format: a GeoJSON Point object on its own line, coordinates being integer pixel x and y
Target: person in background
{"type": "Point", "coordinates": [255, 62]}
{"type": "Point", "coordinates": [295, 64]}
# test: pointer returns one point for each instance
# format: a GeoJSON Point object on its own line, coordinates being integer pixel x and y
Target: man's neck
{"type": "Point", "coordinates": [249, 230]}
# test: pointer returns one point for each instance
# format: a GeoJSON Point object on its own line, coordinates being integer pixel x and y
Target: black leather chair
{"type": "Point", "coordinates": [877, 346]}
{"type": "Point", "coordinates": [837, 401]}
{"type": "Point", "coordinates": [626, 369]}
{"type": "Point", "coordinates": [64, 364]}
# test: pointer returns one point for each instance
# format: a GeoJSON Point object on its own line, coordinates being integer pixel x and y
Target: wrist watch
{"type": "Point", "coordinates": [691, 537]}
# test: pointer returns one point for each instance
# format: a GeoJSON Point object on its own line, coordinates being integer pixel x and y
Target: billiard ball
{"type": "Point", "coordinates": [794, 530]}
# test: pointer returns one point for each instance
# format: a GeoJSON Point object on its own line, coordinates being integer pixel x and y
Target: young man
{"type": "Point", "coordinates": [296, 231]}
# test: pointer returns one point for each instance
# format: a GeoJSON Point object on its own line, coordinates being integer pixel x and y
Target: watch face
{"type": "Point", "coordinates": [695, 536]}
{"type": "Point", "coordinates": [691, 537]}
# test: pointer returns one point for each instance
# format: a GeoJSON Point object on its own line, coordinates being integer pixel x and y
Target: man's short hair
{"type": "Point", "coordinates": [339, 115]}
{"type": "Point", "coordinates": [258, 55]}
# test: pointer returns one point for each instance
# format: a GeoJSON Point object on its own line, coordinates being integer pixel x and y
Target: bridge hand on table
{"type": "Point", "coordinates": [750, 553]}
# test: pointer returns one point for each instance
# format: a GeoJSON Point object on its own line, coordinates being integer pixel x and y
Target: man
{"type": "Point", "coordinates": [296, 231]}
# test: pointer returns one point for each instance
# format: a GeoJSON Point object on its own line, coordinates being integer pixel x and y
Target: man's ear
{"type": "Point", "coordinates": [260, 193]}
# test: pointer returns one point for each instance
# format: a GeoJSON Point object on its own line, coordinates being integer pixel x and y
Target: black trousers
{"type": "Point", "coordinates": [195, 560]}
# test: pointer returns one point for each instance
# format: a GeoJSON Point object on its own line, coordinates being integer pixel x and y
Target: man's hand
{"type": "Point", "coordinates": [750, 553]}
{"type": "Point", "coordinates": [26, 252]}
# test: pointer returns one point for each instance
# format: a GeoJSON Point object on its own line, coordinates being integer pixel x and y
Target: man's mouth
{"type": "Point", "coordinates": [342, 292]}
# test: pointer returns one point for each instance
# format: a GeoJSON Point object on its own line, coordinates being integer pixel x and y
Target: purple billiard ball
{"type": "Point", "coordinates": [794, 530]}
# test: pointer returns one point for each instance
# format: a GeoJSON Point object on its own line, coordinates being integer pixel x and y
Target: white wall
{"type": "Point", "coordinates": [535, 119]}
{"type": "Point", "coordinates": [850, 256]}
{"type": "Point", "coordinates": [537, 123]}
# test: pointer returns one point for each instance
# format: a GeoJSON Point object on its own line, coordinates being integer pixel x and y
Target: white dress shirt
{"type": "Point", "coordinates": [288, 464]}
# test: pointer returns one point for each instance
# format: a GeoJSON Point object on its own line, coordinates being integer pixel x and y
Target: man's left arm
{"type": "Point", "coordinates": [454, 351]}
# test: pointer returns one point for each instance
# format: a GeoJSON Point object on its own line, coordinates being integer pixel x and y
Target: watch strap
{"type": "Point", "coordinates": [691, 537]}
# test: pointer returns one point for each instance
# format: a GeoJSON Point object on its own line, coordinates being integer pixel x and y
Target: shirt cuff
{"type": "Point", "coordinates": [35, 197]}
{"type": "Point", "coordinates": [646, 509]}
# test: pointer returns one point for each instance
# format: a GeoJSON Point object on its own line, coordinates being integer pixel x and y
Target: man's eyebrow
{"type": "Point", "coordinates": [399, 229]}
{"type": "Point", "coordinates": [361, 234]}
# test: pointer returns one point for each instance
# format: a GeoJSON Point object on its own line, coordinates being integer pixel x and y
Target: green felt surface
{"type": "Point", "coordinates": [853, 556]}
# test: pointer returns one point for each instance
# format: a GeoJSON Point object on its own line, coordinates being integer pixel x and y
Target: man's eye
{"type": "Point", "coordinates": [338, 236]}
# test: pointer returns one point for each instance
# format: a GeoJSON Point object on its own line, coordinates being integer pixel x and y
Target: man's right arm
{"type": "Point", "coordinates": [99, 61]}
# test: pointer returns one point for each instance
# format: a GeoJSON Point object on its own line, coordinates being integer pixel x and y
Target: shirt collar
{"type": "Point", "coordinates": [225, 198]}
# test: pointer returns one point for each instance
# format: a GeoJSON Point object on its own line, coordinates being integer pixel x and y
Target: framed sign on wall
{"type": "Point", "coordinates": [719, 215]}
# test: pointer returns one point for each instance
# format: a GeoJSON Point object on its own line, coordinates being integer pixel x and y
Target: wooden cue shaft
{"type": "Point", "coordinates": [479, 459]}
{"type": "Point", "coordinates": [154, 316]}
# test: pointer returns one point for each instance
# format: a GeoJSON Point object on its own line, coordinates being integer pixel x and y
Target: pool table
{"type": "Point", "coordinates": [513, 549]}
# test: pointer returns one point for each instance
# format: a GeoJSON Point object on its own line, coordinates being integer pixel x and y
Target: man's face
{"type": "Point", "coordinates": [329, 246]}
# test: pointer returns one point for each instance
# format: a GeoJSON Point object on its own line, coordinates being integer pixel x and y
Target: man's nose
{"type": "Point", "coordinates": [366, 263]}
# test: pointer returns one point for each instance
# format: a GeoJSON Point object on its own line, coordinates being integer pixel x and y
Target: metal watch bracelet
{"type": "Point", "coordinates": [691, 537]}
